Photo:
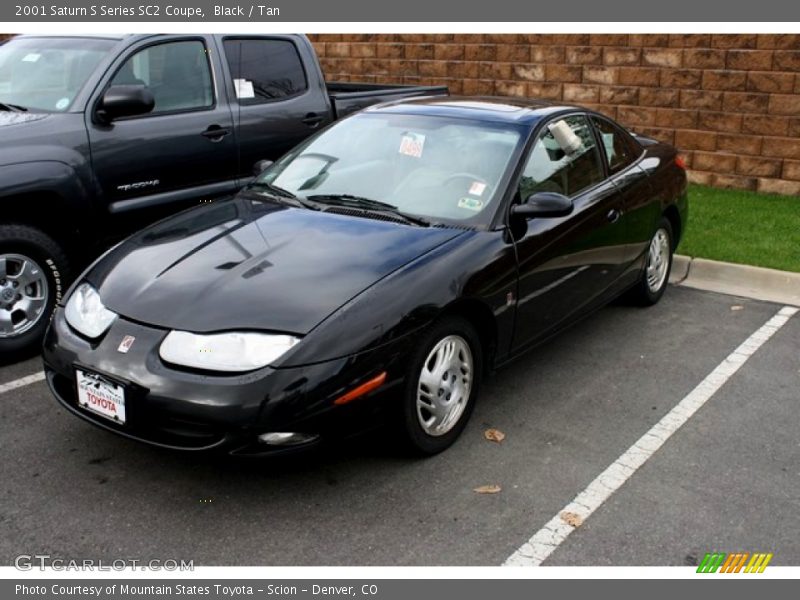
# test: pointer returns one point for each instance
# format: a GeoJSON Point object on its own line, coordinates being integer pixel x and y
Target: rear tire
{"type": "Point", "coordinates": [34, 273]}
{"type": "Point", "coordinates": [658, 264]}
{"type": "Point", "coordinates": [442, 382]}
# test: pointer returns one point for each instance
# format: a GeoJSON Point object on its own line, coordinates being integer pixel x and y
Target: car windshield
{"type": "Point", "coordinates": [428, 166]}
{"type": "Point", "coordinates": [47, 73]}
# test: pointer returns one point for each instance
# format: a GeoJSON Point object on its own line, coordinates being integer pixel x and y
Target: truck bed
{"type": "Point", "coordinates": [347, 97]}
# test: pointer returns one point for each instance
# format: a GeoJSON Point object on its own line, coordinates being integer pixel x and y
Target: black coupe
{"type": "Point", "coordinates": [373, 273]}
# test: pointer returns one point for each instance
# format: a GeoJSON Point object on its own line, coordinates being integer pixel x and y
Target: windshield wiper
{"type": "Point", "coordinates": [12, 107]}
{"type": "Point", "coordinates": [354, 201]}
{"type": "Point", "coordinates": [281, 194]}
{"type": "Point", "coordinates": [272, 188]}
{"type": "Point", "coordinates": [368, 204]}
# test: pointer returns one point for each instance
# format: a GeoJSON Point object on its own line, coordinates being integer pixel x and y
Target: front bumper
{"type": "Point", "coordinates": [186, 410]}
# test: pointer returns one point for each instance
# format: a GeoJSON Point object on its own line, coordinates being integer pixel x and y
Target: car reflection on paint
{"type": "Point", "coordinates": [370, 276]}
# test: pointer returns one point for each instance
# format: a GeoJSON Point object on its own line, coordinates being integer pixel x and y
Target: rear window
{"type": "Point", "coordinates": [264, 70]}
{"type": "Point", "coordinates": [617, 146]}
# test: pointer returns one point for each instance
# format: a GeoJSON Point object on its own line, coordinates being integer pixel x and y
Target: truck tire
{"type": "Point", "coordinates": [34, 274]}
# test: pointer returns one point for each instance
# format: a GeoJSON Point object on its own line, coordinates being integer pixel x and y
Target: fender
{"type": "Point", "coordinates": [58, 183]}
{"type": "Point", "coordinates": [415, 295]}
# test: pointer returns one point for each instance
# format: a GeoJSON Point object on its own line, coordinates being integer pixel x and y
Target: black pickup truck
{"type": "Point", "coordinates": [100, 135]}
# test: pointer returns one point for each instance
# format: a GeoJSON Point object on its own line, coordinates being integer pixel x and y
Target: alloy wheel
{"type": "Point", "coordinates": [23, 294]}
{"type": "Point", "coordinates": [444, 385]}
{"type": "Point", "coordinates": [657, 260]}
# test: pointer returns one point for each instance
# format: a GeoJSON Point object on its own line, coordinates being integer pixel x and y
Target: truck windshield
{"type": "Point", "coordinates": [441, 169]}
{"type": "Point", "coordinates": [45, 74]}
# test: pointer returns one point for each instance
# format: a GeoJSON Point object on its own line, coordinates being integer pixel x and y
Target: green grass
{"type": "Point", "coordinates": [743, 227]}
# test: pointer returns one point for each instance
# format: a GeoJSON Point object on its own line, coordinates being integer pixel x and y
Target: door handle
{"type": "Point", "coordinates": [215, 133]}
{"type": "Point", "coordinates": [312, 120]}
{"type": "Point", "coordinates": [613, 215]}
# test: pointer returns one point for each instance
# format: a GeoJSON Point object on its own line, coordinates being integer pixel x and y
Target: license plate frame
{"type": "Point", "coordinates": [101, 395]}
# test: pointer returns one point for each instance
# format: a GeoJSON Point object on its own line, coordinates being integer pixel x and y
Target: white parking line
{"type": "Point", "coordinates": [549, 537]}
{"type": "Point", "coordinates": [21, 382]}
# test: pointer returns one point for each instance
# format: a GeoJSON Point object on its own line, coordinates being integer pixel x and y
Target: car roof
{"type": "Point", "coordinates": [524, 111]}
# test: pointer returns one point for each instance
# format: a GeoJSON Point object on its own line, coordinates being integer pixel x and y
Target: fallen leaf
{"type": "Point", "coordinates": [487, 489]}
{"type": "Point", "coordinates": [570, 518]}
{"type": "Point", "coordinates": [494, 435]}
{"type": "Point", "coordinates": [737, 307]}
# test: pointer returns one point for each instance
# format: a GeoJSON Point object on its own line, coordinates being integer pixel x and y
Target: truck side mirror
{"type": "Point", "coordinates": [543, 205]}
{"type": "Point", "coordinates": [261, 166]}
{"type": "Point", "coordinates": [125, 101]}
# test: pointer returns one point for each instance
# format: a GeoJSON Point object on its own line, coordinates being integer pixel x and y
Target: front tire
{"type": "Point", "coordinates": [442, 383]}
{"type": "Point", "coordinates": [658, 264]}
{"type": "Point", "coordinates": [33, 275]}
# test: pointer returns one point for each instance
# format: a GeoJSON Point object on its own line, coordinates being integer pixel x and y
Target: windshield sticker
{"type": "Point", "coordinates": [411, 144]}
{"type": "Point", "coordinates": [477, 188]}
{"type": "Point", "coordinates": [62, 104]}
{"type": "Point", "coordinates": [244, 88]}
{"type": "Point", "coordinates": [472, 204]}
{"type": "Point", "coordinates": [32, 57]}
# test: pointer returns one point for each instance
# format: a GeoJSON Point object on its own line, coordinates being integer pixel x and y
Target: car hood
{"type": "Point", "coordinates": [244, 264]}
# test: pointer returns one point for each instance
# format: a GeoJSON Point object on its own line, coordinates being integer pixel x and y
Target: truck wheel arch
{"type": "Point", "coordinates": [47, 195]}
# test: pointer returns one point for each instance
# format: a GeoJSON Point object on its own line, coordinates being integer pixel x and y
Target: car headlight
{"type": "Point", "coordinates": [86, 313]}
{"type": "Point", "coordinates": [230, 352]}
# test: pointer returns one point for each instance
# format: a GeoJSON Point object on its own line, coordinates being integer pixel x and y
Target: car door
{"type": "Point", "coordinates": [184, 148]}
{"type": "Point", "coordinates": [565, 264]}
{"type": "Point", "coordinates": [275, 106]}
{"type": "Point", "coordinates": [639, 212]}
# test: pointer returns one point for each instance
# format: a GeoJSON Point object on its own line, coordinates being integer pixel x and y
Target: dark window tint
{"type": "Point", "coordinates": [616, 145]}
{"type": "Point", "coordinates": [265, 70]}
{"type": "Point", "coordinates": [177, 73]}
{"type": "Point", "coordinates": [551, 169]}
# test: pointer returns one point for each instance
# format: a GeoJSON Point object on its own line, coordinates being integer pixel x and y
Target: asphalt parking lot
{"type": "Point", "coordinates": [727, 480]}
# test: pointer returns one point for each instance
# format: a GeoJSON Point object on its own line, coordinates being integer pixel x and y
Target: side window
{"type": "Point", "coordinates": [552, 169]}
{"type": "Point", "coordinates": [265, 70]}
{"type": "Point", "coordinates": [177, 73]}
{"type": "Point", "coordinates": [616, 146]}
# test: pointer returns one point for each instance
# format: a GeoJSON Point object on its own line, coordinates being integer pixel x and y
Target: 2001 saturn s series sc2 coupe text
{"type": "Point", "coordinates": [376, 270]}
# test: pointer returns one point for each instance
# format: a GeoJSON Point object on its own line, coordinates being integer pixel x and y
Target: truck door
{"type": "Point", "coordinates": [276, 103]}
{"type": "Point", "coordinates": [184, 149]}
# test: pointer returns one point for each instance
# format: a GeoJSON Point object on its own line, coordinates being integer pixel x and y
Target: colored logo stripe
{"type": "Point", "coordinates": [733, 563]}
{"type": "Point", "coordinates": [711, 562]}
{"type": "Point", "coordinates": [758, 563]}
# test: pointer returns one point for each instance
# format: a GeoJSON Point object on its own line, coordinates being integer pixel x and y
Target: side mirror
{"type": "Point", "coordinates": [261, 166]}
{"type": "Point", "coordinates": [125, 101]}
{"type": "Point", "coordinates": [543, 205]}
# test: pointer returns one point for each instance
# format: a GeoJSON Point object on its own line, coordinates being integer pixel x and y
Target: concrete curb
{"type": "Point", "coordinates": [737, 280]}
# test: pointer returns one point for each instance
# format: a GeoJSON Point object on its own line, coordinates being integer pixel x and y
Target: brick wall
{"type": "Point", "coordinates": [731, 103]}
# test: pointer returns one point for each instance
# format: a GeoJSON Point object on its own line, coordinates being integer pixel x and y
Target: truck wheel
{"type": "Point", "coordinates": [33, 275]}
